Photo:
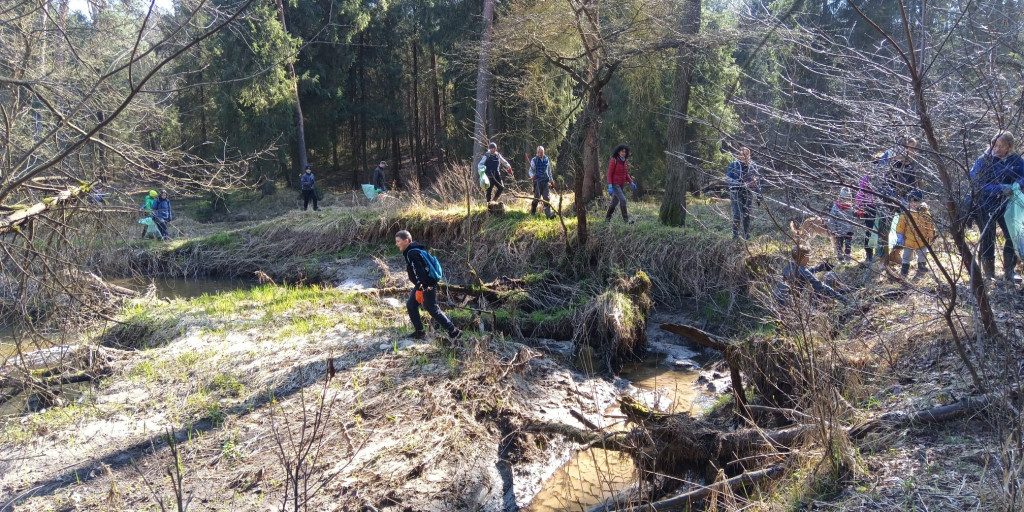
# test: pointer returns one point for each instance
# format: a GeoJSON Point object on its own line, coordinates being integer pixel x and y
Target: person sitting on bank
{"type": "Point", "coordinates": [540, 173]}
{"type": "Point", "coordinates": [424, 287]}
{"type": "Point", "coordinates": [380, 177]}
{"type": "Point", "coordinates": [796, 278]}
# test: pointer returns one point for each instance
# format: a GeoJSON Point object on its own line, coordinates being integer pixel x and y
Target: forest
{"type": "Point", "coordinates": [804, 293]}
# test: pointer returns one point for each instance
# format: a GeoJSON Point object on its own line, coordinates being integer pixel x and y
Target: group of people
{"type": "Point", "coordinates": [892, 190]}
{"type": "Point", "coordinates": [157, 208]}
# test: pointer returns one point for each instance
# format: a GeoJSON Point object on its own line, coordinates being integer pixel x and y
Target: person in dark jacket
{"type": "Point", "coordinates": [796, 277]}
{"type": "Point", "coordinates": [380, 178]}
{"type": "Point", "coordinates": [540, 173]}
{"type": "Point", "coordinates": [741, 176]}
{"type": "Point", "coordinates": [493, 162]}
{"type": "Point", "coordinates": [423, 285]}
{"type": "Point", "coordinates": [308, 189]}
{"type": "Point", "coordinates": [992, 179]}
{"type": "Point", "coordinates": [618, 176]}
{"type": "Point", "coordinates": [162, 213]}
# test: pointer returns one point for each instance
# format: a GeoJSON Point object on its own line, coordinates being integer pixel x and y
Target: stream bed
{"type": "Point", "coordinates": [590, 476]}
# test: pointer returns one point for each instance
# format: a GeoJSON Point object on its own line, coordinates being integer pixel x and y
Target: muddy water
{"type": "Point", "coordinates": [592, 475]}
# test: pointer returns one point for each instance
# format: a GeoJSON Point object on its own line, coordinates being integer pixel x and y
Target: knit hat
{"type": "Point", "coordinates": [153, 193]}
{"type": "Point", "coordinates": [844, 193]}
{"type": "Point", "coordinates": [915, 195]}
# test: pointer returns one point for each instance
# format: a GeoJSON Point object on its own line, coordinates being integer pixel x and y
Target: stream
{"type": "Point", "coordinates": [592, 475]}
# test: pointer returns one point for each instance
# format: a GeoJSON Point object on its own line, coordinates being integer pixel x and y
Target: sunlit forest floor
{"type": "Point", "coordinates": [306, 387]}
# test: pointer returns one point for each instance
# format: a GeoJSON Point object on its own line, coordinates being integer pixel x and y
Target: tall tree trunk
{"type": "Point", "coordinates": [396, 158]}
{"type": "Point", "coordinates": [300, 129]}
{"type": "Point", "coordinates": [483, 82]}
{"type": "Point", "coordinates": [361, 79]}
{"type": "Point", "coordinates": [438, 118]}
{"type": "Point", "coordinates": [673, 204]}
{"type": "Point", "coordinates": [418, 141]}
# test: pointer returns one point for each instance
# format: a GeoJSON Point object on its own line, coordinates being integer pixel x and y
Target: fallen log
{"type": "Point", "coordinates": [12, 222]}
{"type": "Point", "coordinates": [686, 500]}
{"type": "Point", "coordinates": [938, 414]}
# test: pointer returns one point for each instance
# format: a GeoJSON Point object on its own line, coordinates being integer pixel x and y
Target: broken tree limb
{"type": "Point", "coordinates": [19, 216]}
{"type": "Point", "coordinates": [686, 500]}
{"type": "Point", "coordinates": [729, 352]}
{"type": "Point", "coordinates": [611, 441]}
{"type": "Point", "coordinates": [938, 414]}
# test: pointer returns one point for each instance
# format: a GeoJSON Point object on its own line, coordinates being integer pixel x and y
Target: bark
{"type": "Point", "coordinates": [437, 118]}
{"type": "Point", "coordinates": [483, 82]}
{"type": "Point", "coordinates": [417, 132]}
{"type": "Point", "coordinates": [20, 218]}
{"type": "Point", "coordinates": [673, 205]}
{"type": "Point", "coordinates": [300, 129]}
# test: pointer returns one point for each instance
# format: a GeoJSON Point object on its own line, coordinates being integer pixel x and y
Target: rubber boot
{"type": "Point", "coordinates": [1009, 264]}
{"type": "Point", "coordinates": [989, 268]}
{"type": "Point", "coordinates": [922, 267]}
{"type": "Point", "coordinates": [608, 216]}
{"type": "Point", "coordinates": [905, 270]}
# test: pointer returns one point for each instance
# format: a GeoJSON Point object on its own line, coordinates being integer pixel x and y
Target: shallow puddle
{"type": "Point", "coordinates": [593, 475]}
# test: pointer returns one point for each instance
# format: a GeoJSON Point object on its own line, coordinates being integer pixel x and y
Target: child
{"type": "Point", "coordinates": [915, 240]}
{"type": "Point", "coordinates": [841, 223]}
{"type": "Point", "coordinates": [796, 277]}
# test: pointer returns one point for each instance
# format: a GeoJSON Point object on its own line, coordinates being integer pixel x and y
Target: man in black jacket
{"type": "Point", "coordinates": [424, 284]}
{"type": "Point", "coordinates": [379, 177]}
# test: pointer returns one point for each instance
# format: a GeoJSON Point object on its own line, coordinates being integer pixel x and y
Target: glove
{"type": "Point", "coordinates": [900, 239]}
{"type": "Point", "coordinates": [1006, 190]}
{"type": "Point", "coordinates": [611, 190]}
{"type": "Point", "coordinates": [510, 171]}
{"type": "Point", "coordinates": [633, 183]}
{"type": "Point", "coordinates": [419, 296]}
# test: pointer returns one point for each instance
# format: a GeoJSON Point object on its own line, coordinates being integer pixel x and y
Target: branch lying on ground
{"type": "Point", "coordinates": [686, 500]}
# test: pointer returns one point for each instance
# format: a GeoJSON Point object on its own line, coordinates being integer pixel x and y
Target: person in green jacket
{"type": "Point", "coordinates": [148, 208]}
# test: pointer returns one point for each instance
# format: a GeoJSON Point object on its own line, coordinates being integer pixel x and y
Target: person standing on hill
{"type": "Point", "coordinates": [379, 177]}
{"type": "Point", "coordinates": [540, 173]}
{"type": "Point", "coordinates": [741, 176]}
{"type": "Point", "coordinates": [493, 162]}
{"type": "Point", "coordinates": [841, 223]}
{"type": "Point", "coordinates": [147, 207]}
{"type": "Point", "coordinates": [162, 213]}
{"type": "Point", "coordinates": [418, 265]}
{"type": "Point", "coordinates": [308, 189]}
{"type": "Point", "coordinates": [992, 179]}
{"type": "Point", "coordinates": [618, 176]}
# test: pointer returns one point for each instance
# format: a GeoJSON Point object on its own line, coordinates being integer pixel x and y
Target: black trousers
{"type": "Point", "coordinates": [495, 179]}
{"type": "Point", "coordinates": [307, 196]}
{"type": "Point", "coordinates": [429, 304]}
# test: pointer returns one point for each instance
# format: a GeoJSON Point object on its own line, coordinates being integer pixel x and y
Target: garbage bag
{"type": "Point", "coordinates": [892, 230]}
{"type": "Point", "coordinates": [370, 192]}
{"type": "Point", "coordinates": [147, 221]}
{"type": "Point", "coordinates": [1014, 218]}
{"type": "Point", "coordinates": [484, 181]}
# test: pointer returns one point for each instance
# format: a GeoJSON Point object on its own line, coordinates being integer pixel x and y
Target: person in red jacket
{"type": "Point", "coordinates": [618, 176]}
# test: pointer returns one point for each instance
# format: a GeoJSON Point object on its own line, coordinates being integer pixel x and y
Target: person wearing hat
{"type": "Point", "coordinates": [162, 213]}
{"type": "Point", "coordinates": [914, 231]}
{"type": "Point", "coordinates": [308, 188]}
{"type": "Point", "coordinates": [841, 223]}
{"type": "Point", "coordinates": [493, 162]}
{"type": "Point", "coordinates": [148, 208]}
{"type": "Point", "coordinates": [379, 178]}
{"type": "Point", "coordinates": [540, 173]}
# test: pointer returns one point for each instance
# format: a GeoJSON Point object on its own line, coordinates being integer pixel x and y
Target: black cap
{"type": "Point", "coordinates": [915, 195]}
{"type": "Point", "coordinates": [309, 167]}
{"type": "Point", "coordinates": [492, 146]}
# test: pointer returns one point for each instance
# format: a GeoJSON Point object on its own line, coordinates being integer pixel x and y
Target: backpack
{"type": "Point", "coordinates": [433, 266]}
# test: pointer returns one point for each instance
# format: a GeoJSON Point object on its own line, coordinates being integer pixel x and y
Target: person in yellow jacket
{"type": "Point", "coordinates": [915, 240]}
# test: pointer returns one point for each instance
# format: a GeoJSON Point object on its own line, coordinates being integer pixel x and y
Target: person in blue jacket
{"type": "Point", "coordinates": [308, 189]}
{"type": "Point", "coordinates": [162, 213]}
{"type": "Point", "coordinates": [424, 286]}
{"type": "Point", "coordinates": [992, 179]}
{"type": "Point", "coordinates": [741, 176]}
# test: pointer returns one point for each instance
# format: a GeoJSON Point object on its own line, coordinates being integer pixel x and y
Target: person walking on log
{"type": "Point", "coordinates": [618, 176]}
{"type": "Point", "coordinates": [543, 180]}
{"type": "Point", "coordinates": [493, 162]}
{"type": "Point", "coordinates": [424, 273]}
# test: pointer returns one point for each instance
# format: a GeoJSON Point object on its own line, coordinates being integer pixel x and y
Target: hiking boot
{"type": "Point", "coordinates": [456, 334]}
{"type": "Point", "coordinates": [1009, 264]}
{"type": "Point", "coordinates": [905, 270]}
{"type": "Point", "coordinates": [417, 335]}
{"type": "Point", "coordinates": [629, 221]}
{"type": "Point", "coordinates": [552, 216]}
{"type": "Point", "coordinates": [922, 267]}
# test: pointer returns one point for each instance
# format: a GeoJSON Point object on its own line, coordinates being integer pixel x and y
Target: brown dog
{"type": "Point", "coordinates": [812, 227]}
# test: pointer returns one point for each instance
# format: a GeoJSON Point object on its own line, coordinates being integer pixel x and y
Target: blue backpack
{"type": "Point", "coordinates": [433, 266]}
